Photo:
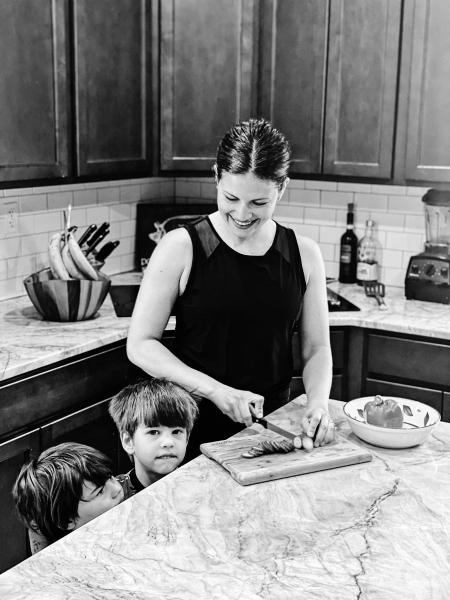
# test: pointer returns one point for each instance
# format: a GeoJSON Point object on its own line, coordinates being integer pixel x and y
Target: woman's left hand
{"type": "Point", "coordinates": [318, 424]}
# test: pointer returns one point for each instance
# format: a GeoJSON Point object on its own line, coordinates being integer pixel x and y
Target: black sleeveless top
{"type": "Point", "coordinates": [236, 317]}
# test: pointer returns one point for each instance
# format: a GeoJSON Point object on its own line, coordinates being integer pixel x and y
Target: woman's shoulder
{"type": "Point", "coordinates": [310, 254]}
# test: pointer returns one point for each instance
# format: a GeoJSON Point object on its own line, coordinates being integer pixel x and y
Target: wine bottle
{"type": "Point", "coordinates": [368, 255]}
{"type": "Point", "coordinates": [348, 249]}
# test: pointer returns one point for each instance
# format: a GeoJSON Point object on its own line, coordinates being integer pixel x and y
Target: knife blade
{"type": "Point", "coordinates": [275, 428]}
{"type": "Point", "coordinates": [103, 253]}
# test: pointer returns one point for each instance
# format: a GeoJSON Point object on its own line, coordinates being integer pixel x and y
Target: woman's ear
{"type": "Point", "coordinates": [127, 442]}
{"type": "Point", "coordinates": [282, 189]}
{"type": "Point", "coordinates": [216, 175]}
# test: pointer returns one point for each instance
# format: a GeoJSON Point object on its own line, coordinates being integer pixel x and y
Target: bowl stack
{"type": "Point", "coordinates": [66, 300]}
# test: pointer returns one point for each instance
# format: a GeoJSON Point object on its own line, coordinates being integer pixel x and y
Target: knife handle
{"type": "Point", "coordinates": [86, 234]}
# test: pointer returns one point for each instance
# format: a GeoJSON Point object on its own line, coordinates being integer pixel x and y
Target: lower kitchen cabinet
{"type": "Point", "coordinates": [91, 426]}
{"type": "Point", "coordinates": [405, 366]}
{"type": "Point", "coordinates": [13, 454]}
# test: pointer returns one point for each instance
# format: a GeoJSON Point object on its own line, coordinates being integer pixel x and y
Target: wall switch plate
{"type": "Point", "coordinates": [11, 217]}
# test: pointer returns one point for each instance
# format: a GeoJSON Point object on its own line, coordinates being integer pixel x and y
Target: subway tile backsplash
{"type": "Point", "coordinates": [316, 209]}
{"type": "Point", "coordinates": [39, 215]}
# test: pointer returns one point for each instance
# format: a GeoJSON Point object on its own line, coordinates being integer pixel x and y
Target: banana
{"type": "Point", "coordinates": [56, 264]}
{"type": "Point", "coordinates": [80, 259]}
{"type": "Point", "coordinates": [71, 267]}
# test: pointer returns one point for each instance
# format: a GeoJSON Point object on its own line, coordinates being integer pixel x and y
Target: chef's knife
{"type": "Point", "coordinates": [106, 250]}
{"type": "Point", "coordinates": [86, 234]}
{"type": "Point", "coordinates": [275, 428]}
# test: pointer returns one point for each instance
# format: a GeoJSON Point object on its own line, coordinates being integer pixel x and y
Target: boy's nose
{"type": "Point", "coordinates": [116, 487]}
{"type": "Point", "coordinates": [166, 440]}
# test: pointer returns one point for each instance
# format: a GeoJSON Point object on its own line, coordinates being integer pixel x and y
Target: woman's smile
{"type": "Point", "coordinates": [243, 224]}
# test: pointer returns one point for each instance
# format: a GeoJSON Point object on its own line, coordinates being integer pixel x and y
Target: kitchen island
{"type": "Point", "coordinates": [376, 530]}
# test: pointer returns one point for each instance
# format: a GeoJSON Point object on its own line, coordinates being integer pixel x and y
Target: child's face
{"type": "Point", "coordinates": [96, 500]}
{"type": "Point", "coordinates": [157, 450]}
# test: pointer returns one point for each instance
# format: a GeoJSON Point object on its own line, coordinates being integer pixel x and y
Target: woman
{"type": "Point", "coordinates": [240, 284]}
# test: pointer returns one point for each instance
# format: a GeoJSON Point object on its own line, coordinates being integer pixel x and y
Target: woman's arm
{"type": "Point", "coordinates": [315, 336]}
{"type": "Point", "coordinates": [164, 279]}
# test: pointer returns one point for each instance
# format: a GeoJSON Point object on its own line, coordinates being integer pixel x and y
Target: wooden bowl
{"type": "Point", "coordinates": [65, 300]}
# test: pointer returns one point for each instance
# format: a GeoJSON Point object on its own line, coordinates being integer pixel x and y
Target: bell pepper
{"type": "Point", "coordinates": [383, 412]}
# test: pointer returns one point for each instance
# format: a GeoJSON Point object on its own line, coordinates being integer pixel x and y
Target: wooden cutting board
{"type": "Point", "coordinates": [246, 471]}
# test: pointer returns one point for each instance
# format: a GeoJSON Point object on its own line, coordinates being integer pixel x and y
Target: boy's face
{"type": "Point", "coordinates": [96, 500]}
{"type": "Point", "coordinates": [157, 451]}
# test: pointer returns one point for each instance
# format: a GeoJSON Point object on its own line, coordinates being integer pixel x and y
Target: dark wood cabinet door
{"type": "Point", "coordinates": [33, 89]}
{"type": "Point", "coordinates": [207, 77]}
{"type": "Point", "coordinates": [292, 75]}
{"type": "Point", "coordinates": [361, 87]}
{"type": "Point", "coordinates": [113, 79]}
{"type": "Point", "coordinates": [426, 90]}
{"type": "Point", "coordinates": [387, 388]}
{"type": "Point", "coordinates": [91, 426]}
{"type": "Point", "coordinates": [13, 454]}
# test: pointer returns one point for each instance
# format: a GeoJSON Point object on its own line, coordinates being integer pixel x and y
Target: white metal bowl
{"type": "Point", "coordinates": [418, 421]}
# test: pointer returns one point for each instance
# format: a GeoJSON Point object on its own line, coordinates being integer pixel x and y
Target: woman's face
{"type": "Point", "coordinates": [246, 202]}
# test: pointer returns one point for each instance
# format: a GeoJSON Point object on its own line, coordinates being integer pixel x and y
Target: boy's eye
{"type": "Point", "coordinates": [178, 431]}
{"type": "Point", "coordinates": [153, 431]}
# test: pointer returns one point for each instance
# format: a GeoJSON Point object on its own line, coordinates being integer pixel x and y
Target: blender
{"type": "Point", "coordinates": [427, 277]}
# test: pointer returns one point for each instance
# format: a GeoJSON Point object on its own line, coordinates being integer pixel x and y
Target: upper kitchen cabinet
{"type": "Point", "coordinates": [328, 79]}
{"type": "Point", "coordinates": [113, 86]}
{"type": "Point", "coordinates": [424, 109]}
{"type": "Point", "coordinates": [33, 89]}
{"type": "Point", "coordinates": [292, 66]}
{"type": "Point", "coordinates": [207, 77]}
{"type": "Point", "coordinates": [362, 73]}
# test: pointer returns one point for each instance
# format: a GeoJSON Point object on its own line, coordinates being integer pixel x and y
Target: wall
{"type": "Point", "coordinates": [40, 213]}
{"type": "Point", "coordinates": [318, 209]}
{"type": "Point", "coordinates": [313, 208]}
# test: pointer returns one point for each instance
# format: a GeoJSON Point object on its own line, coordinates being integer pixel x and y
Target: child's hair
{"type": "Point", "coordinates": [49, 488]}
{"type": "Point", "coordinates": [153, 403]}
{"type": "Point", "coordinates": [254, 146]}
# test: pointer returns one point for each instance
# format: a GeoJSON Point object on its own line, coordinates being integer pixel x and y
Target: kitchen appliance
{"type": "Point", "coordinates": [154, 220]}
{"type": "Point", "coordinates": [246, 471]}
{"type": "Point", "coordinates": [428, 274]}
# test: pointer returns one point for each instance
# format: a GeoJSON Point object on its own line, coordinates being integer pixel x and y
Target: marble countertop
{"type": "Point", "coordinates": [29, 343]}
{"type": "Point", "coordinates": [375, 530]}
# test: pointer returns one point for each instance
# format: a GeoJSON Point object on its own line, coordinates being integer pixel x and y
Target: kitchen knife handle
{"type": "Point", "coordinates": [86, 234]}
{"type": "Point", "coordinates": [96, 242]}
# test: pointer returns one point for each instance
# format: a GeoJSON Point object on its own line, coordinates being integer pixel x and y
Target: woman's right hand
{"type": "Point", "coordinates": [239, 405]}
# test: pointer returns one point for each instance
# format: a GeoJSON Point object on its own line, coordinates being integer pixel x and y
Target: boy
{"type": "Point", "coordinates": [154, 418]}
{"type": "Point", "coordinates": [67, 486]}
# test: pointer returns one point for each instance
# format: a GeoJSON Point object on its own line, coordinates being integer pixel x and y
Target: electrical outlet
{"type": "Point", "coordinates": [11, 216]}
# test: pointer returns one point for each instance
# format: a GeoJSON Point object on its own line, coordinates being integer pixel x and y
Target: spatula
{"type": "Point", "coordinates": [376, 290]}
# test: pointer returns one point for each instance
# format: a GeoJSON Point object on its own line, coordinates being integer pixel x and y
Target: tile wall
{"type": "Point", "coordinates": [318, 209]}
{"type": "Point", "coordinates": [40, 214]}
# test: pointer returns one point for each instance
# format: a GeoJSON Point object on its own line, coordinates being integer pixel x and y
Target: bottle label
{"type": "Point", "coordinates": [346, 253]}
{"type": "Point", "coordinates": [367, 271]}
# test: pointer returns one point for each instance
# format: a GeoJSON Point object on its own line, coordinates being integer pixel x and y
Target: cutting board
{"type": "Point", "coordinates": [246, 471]}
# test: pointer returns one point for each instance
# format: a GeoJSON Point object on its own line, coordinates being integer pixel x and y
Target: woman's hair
{"type": "Point", "coordinates": [49, 488]}
{"type": "Point", "coordinates": [153, 403]}
{"type": "Point", "coordinates": [254, 146]}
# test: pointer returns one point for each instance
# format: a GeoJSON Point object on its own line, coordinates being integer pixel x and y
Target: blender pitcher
{"type": "Point", "coordinates": [437, 222]}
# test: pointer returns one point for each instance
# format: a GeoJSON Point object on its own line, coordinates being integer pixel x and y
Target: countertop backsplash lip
{"type": "Point", "coordinates": [29, 343]}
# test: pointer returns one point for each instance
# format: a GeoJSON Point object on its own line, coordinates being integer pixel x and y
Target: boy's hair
{"type": "Point", "coordinates": [49, 488]}
{"type": "Point", "coordinates": [153, 403]}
